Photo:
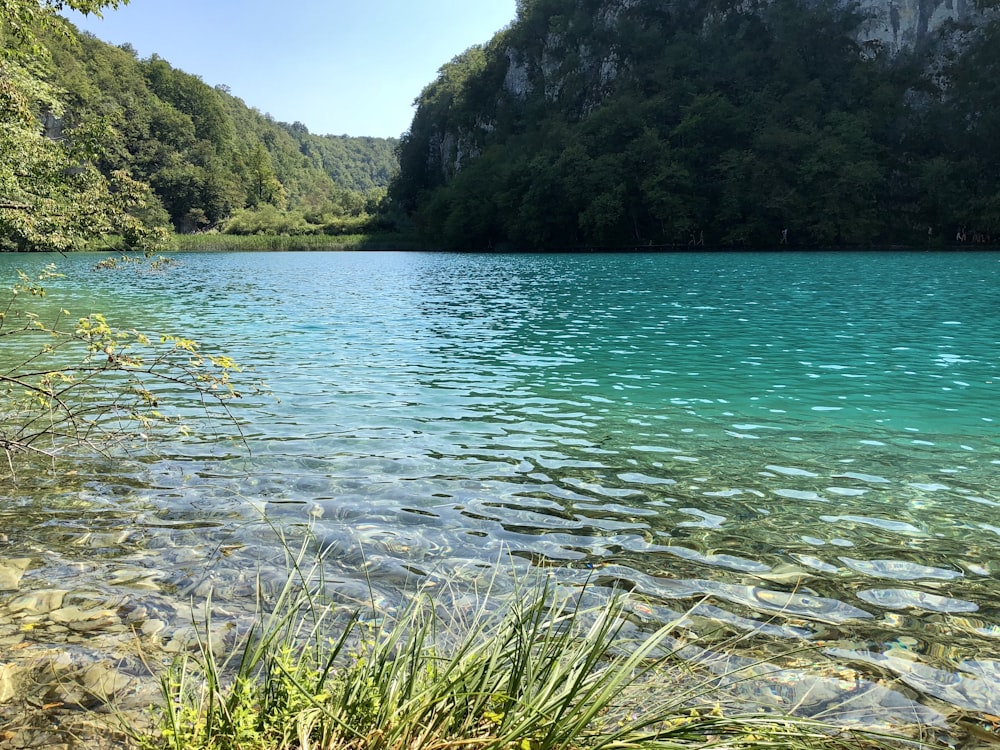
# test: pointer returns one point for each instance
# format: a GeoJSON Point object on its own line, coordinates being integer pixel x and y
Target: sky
{"type": "Point", "coordinates": [342, 67]}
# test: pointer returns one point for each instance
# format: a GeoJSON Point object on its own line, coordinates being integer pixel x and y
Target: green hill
{"type": "Point", "coordinates": [213, 162]}
{"type": "Point", "coordinates": [728, 123]}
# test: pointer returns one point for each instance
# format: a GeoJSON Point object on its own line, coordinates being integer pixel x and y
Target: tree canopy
{"type": "Point", "coordinates": [52, 193]}
{"type": "Point", "coordinates": [208, 157]}
{"type": "Point", "coordinates": [96, 141]}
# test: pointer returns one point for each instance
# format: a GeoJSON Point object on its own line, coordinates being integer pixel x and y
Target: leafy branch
{"type": "Point", "coordinates": [86, 384]}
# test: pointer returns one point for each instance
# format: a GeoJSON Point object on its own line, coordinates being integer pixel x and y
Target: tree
{"type": "Point", "coordinates": [52, 195]}
{"type": "Point", "coordinates": [263, 186]}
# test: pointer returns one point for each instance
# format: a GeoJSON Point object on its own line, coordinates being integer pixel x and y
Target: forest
{"type": "Point", "coordinates": [582, 125]}
{"type": "Point", "coordinates": [196, 158]}
{"type": "Point", "coordinates": [705, 123]}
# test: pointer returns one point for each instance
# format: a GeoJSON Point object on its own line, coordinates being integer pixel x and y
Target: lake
{"type": "Point", "coordinates": [801, 449]}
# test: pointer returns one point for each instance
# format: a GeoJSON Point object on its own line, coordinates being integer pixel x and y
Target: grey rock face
{"type": "Point", "coordinates": [900, 25]}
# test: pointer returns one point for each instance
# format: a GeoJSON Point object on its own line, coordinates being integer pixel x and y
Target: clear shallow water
{"type": "Point", "coordinates": [805, 446]}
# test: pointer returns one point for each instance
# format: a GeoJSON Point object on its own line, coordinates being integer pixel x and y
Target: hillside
{"type": "Point", "coordinates": [728, 123]}
{"type": "Point", "coordinates": [211, 160]}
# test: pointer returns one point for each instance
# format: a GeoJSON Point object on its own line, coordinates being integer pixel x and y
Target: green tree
{"type": "Point", "coordinates": [263, 186]}
{"type": "Point", "coordinates": [52, 194]}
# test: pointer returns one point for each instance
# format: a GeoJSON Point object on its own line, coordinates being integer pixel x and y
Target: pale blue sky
{"type": "Point", "coordinates": [339, 66]}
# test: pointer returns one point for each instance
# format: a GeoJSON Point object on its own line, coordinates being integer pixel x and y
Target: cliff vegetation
{"type": "Point", "coordinates": [618, 123]}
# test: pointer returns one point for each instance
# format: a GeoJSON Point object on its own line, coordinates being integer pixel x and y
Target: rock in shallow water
{"type": "Point", "coordinates": [85, 620]}
{"type": "Point", "coordinates": [901, 570]}
{"type": "Point", "coordinates": [12, 677]}
{"type": "Point", "coordinates": [153, 628]}
{"type": "Point", "coordinates": [37, 602]}
{"type": "Point", "coordinates": [11, 572]}
{"type": "Point", "coordinates": [906, 598]}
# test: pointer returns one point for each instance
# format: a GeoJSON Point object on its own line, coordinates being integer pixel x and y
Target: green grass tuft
{"type": "Point", "coordinates": [544, 673]}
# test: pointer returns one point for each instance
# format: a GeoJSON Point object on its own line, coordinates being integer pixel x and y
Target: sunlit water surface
{"type": "Point", "coordinates": [800, 446]}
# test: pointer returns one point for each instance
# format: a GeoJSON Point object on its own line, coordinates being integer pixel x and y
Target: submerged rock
{"type": "Point", "coordinates": [41, 698]}
{"type": "Point", "coordinates": [11, 572]}
{"type": "Point", "coordinates": [12, 677]}
{"type": "Point", "coordinates": [907, 598]}
{"type": "Point", "coordinates": [37, 602]}
{"type": "Point", "coordinates": [85, 620]}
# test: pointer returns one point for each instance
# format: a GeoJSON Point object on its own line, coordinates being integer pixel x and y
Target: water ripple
{"type": "Point", "coordinates": [667, 424]}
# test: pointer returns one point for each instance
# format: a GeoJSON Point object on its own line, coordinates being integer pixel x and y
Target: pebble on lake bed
{"type": "Point", "coordinates": [11, 572]}
{"type": "Point", "coordinates": [37, 602]}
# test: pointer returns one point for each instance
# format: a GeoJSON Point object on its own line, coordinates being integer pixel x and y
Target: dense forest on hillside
{"type": "Point", "coordinates": [210, 161]}
{"type": "Point", "coordinates": [585, 123]}
{"type": "Point", "coordinates": [600, 123]}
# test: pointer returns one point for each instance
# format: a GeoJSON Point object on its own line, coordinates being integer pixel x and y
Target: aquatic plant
{"type": "Point", "coordinates": [545, 670]}
{"type": "Point", "coordinates": [208, 242]}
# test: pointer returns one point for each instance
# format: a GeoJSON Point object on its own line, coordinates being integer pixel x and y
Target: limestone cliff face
{"type": "Point", "coordinates": [575, 64]}
{"type": "Point", "coordinates": [901, 25]}
{"type": "Point", "coordinates": [564, 55]}
{"type": "Point", "coordinates": [891, 26]}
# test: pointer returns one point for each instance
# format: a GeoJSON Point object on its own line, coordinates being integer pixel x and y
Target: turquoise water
{"type": "Point", "coordinates": [803, 447]}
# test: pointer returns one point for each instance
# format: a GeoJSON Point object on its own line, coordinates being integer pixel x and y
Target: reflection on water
{"type": "Point", "coordinates": [798, 447]}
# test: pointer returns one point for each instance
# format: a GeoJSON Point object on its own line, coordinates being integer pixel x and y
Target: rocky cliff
{"type": "Point", "coordinates": [615, 121]}
{"type": "Point", "coordinates": [555, 55]}
{"type": "Point", "coordinates": [901, 25]}
{"type": "Point", "coordinates": [888, 26]}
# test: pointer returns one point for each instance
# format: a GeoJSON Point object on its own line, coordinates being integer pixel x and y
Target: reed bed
{"type": "Point", "coordinates": [214, 242]}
